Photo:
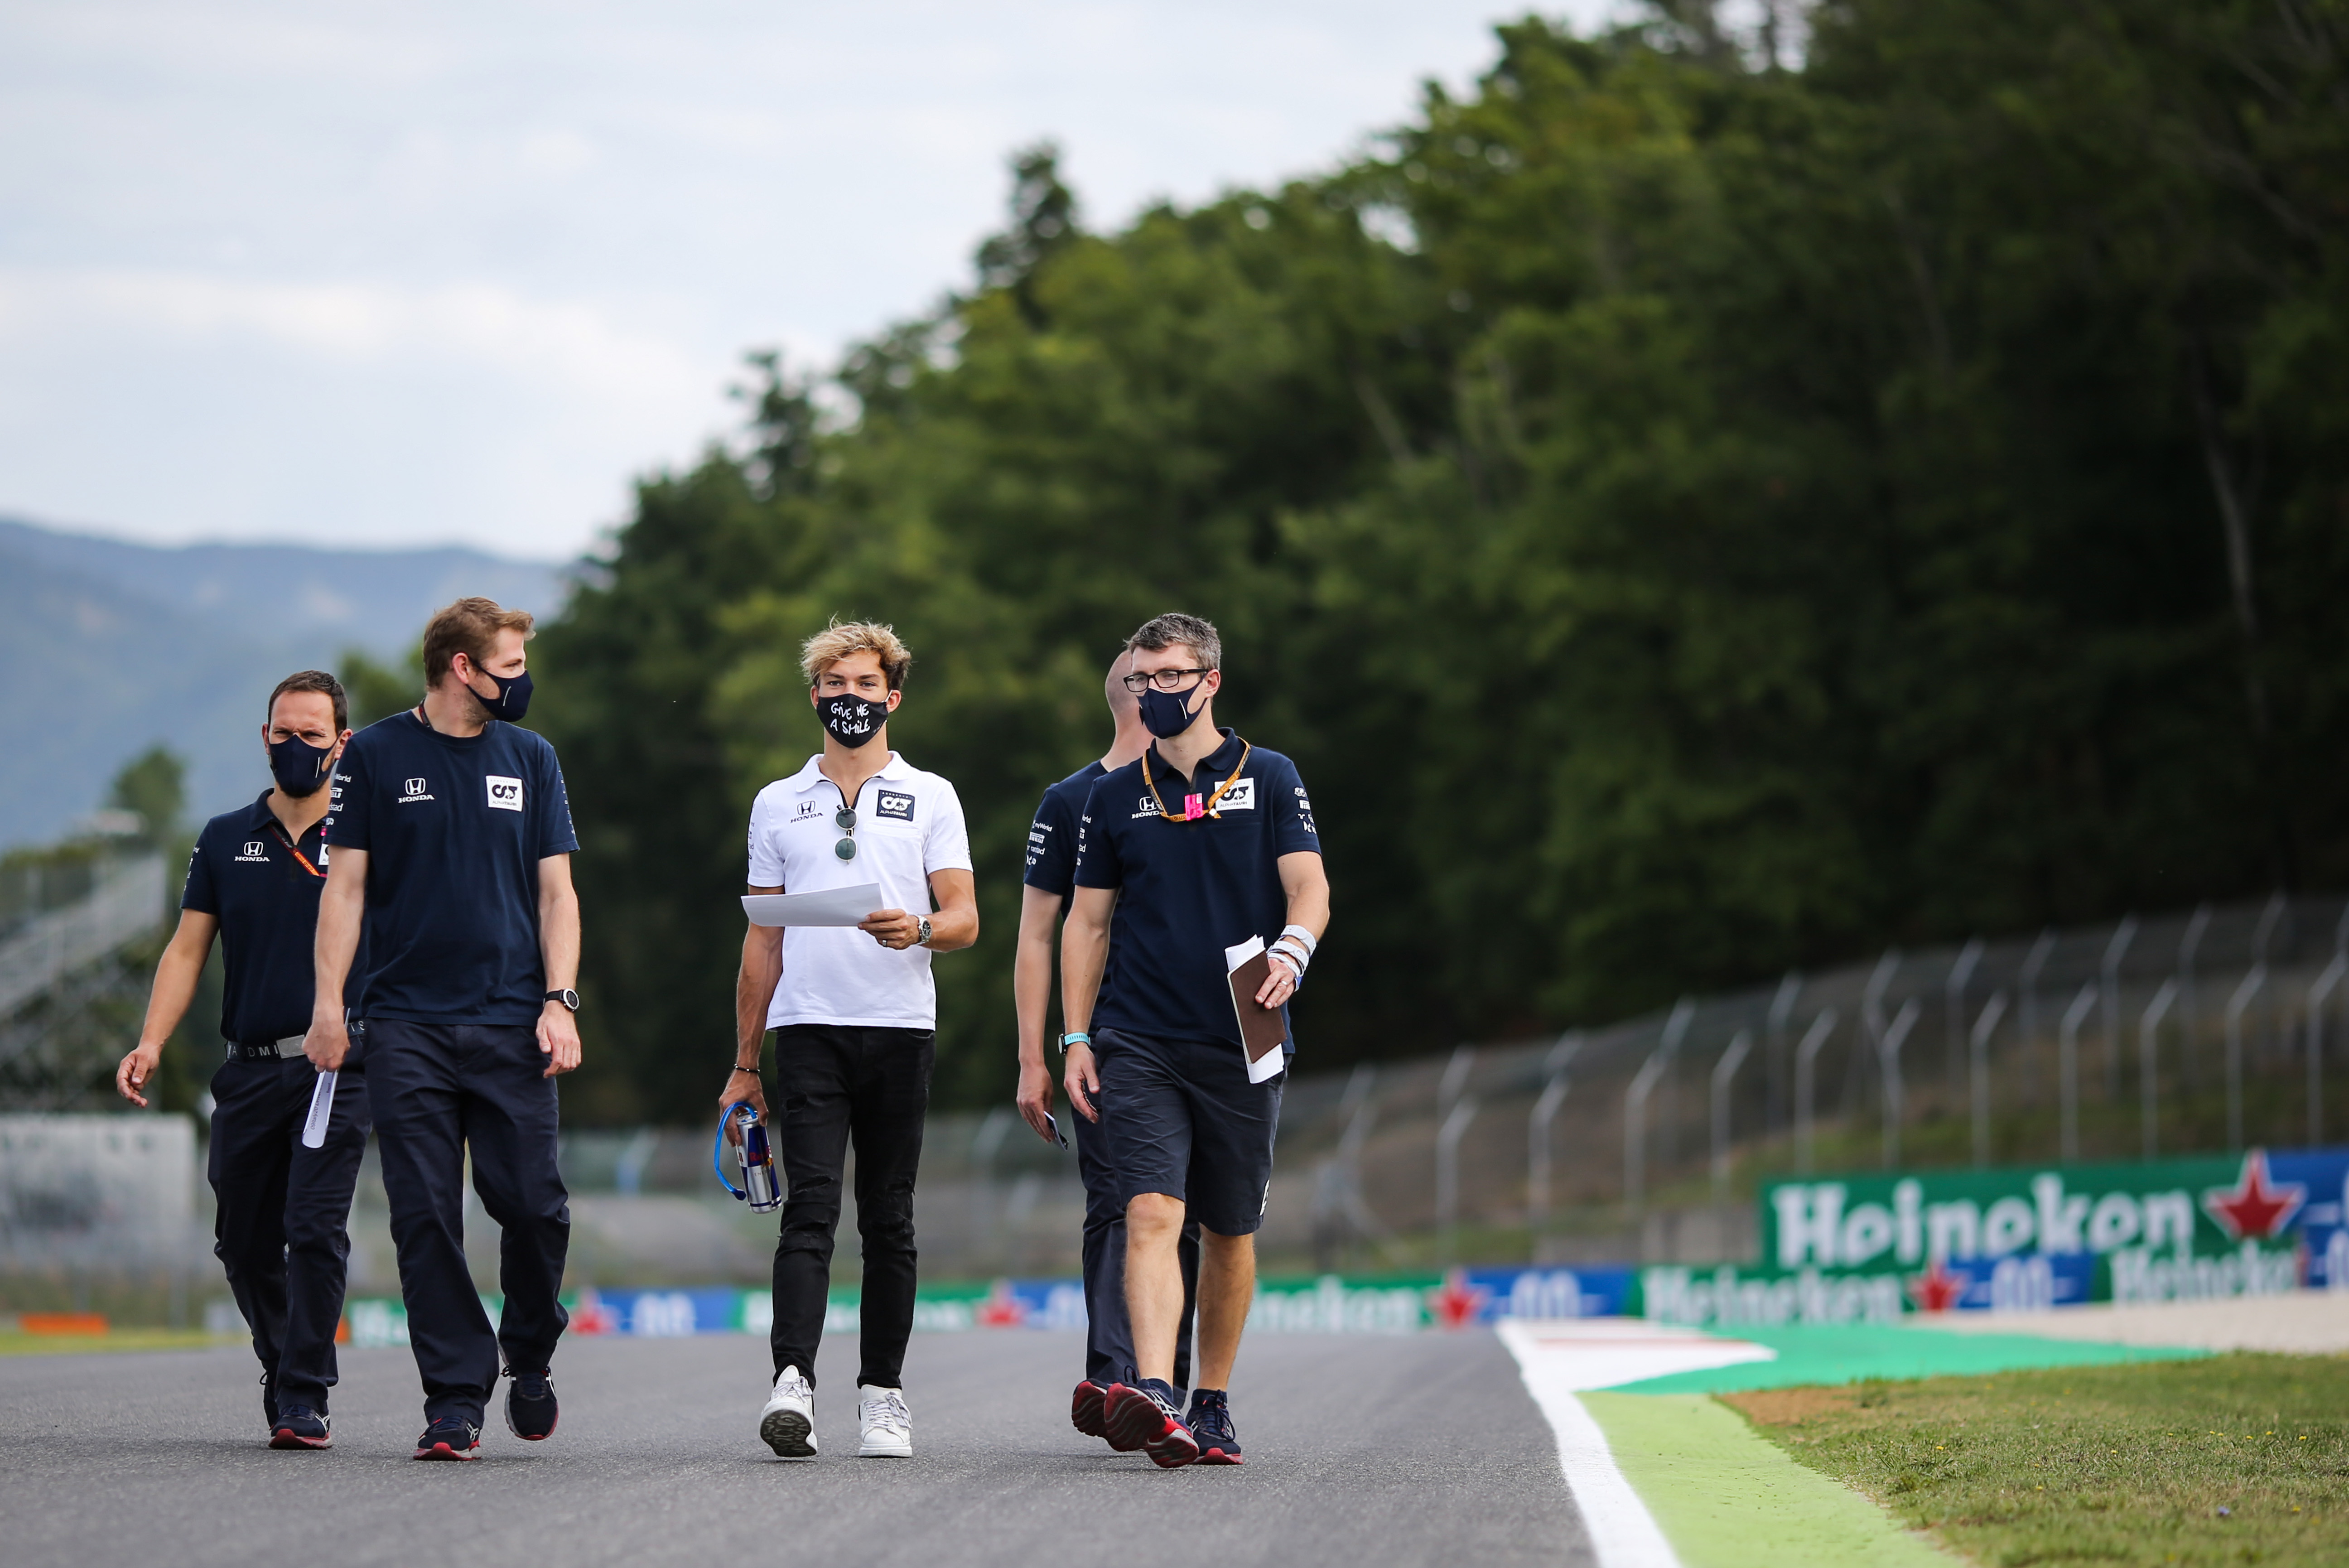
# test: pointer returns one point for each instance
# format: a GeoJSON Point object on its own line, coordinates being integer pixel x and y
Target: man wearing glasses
{"type": "Point", "coordinates": [1199, 846]}
{"type": "Point", "coordinates": [854, 1013]}
{"type": "Point", "coordinates": [1050, 873]}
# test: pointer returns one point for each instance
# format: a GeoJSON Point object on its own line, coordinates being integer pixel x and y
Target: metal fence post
{"type": "Point", "coordinates": [1545, 1112]}
{"type": "Point", "coordinates": [1953, 1015]}
{"type": "Point", "coordinates": [1724, 1077]}
{"type": "Point", "coordinates": [2067, 1070]}
{"type": "Point", "coordinates": [1807, 1056]}
{"type": "Point", "coordinates": [1889, 1055]}
{"type": "Point", "coordinates": [2318, 994]}
{"type": "Point", "coordinates": [2148, 1065]}
{"type": "Point", "coordinates": [1448, 1175]}
{"type": "Point", "coordinates": [2236, 1004]}
{"type": "Point", "coordinates": [1978, 1054]}
{"type": "Point", "coordinates": [2115, 951]}
{"type": "Point", "coordinates": [2034, 964]}
{"type": "Point", "coordinates": [1773, 1082]}
{"type": "Point", "coordinates": [2190, 996]}
{"type": "Point", "coordinates": [1635, 1104]}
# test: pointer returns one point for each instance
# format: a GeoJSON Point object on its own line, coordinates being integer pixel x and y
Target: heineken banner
{"type": "Point", "coordinates": [1867, 1248]}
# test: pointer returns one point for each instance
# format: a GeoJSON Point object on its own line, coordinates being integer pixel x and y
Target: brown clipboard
{"type": "Point", "coordinates": [1261, 1028]}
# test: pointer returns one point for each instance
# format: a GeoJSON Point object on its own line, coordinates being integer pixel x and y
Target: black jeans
{"type": "Point", "coordinates": [440, 1090]}
{"type": "Point", "coordinates": [1108, 1332]}
{"type": "Point", "coordinates": [282, 1226]}
{"type": "Point", "coordinates": [840, 1084]}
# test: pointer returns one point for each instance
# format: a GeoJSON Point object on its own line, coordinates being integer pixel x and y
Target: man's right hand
{"type": "Point", "coordinates": [1035, 1096]}
{"type": "Point", "coordinates": [1081, 1082]}
{"type": "Point", "coordinates": [741, 1085]}
{"type": "Point", "coordinates": [327, 1044]}
{"type": "Point", "coordinates": [136, 1069]}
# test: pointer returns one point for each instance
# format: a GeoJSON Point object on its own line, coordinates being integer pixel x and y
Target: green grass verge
{"type": "Point", "coordinates": [13, 1343]}
{"type": "Point", "coordinates": [2230, 1459]}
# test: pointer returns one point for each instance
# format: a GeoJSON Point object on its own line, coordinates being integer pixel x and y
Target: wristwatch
{"type": "Point", "coordinates": [566, 996]}
{"type": "Point", "coordinates": [922, 929]}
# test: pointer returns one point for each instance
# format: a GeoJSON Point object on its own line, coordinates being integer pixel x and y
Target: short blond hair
{"type": "Point", "coordinates": [839, 639]}
{"type": "Point", "coordinates": [469, 627]}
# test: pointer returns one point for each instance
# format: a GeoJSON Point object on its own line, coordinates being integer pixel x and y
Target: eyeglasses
{"type": "Point", "coordinates": [1164, 680]}
{"type": "Point", "coordinates": [845, 820]}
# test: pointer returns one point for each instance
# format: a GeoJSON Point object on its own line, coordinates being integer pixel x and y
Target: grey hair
{"type": "Point", "coordinates": [1165, 630]}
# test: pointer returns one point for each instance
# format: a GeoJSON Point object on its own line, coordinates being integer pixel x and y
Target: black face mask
{"type": "Point", "coordinates": [299, 767]}
{"type": "Point", "coordinates": [1167, 714]}
{"type": "Point", "coordinates": [512, 700]}
{"type": "Point", "coordinates": [851, 720]}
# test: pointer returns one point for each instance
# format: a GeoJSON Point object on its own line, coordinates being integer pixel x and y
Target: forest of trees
{"type": "Point", "coordinates": [1688, 513]}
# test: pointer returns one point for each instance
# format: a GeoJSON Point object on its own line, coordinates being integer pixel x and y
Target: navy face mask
{"type": "Point", "coordinates": [299, 767]}
{"type": "Point", "coordinates": [851, 720]}
{"type": "Point", "coordinates": [1167, 714]}
{"type": "Point", "coordinates": [512, 700]}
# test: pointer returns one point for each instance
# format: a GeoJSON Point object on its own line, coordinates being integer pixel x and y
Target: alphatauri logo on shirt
{"type": "Point", "coordinates": [894, 804]}
{"type": "Point", "coordinates": [1241, 796]}
{"type": "Point", "coordinates": [413, 791]}
{"type": "Point", "coordinates": [505, 794]}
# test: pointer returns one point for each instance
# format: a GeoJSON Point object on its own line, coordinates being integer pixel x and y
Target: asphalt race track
{"type": "Point", "coordinates": [1362, 1450]}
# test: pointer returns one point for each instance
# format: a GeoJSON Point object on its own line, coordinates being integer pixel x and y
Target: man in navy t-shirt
{"type": "Point", "coordinates": [283, 1206]}
{"type": "Point", "coordinates": [1051, 873]}
{"type": "Point", "coordinates": [451, 837]}
{"type": "Point", "coordinates": [1200, 846]}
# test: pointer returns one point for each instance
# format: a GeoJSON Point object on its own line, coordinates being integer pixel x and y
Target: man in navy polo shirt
{"type": "Point", "coordinates": [1051, 873]}
{"type": "Point", "coordinates": [1199, 846]}
{"type": "Point", "coordinates": [279, 1229]}
{"type": "Point", "coordinates": [452, 839]}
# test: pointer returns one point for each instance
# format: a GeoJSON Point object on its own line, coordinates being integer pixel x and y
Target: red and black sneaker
{"type": "Point", "coordinates": [1210, 1421]}
{"type": "Point", "coordinates": [1143, 1417]}
{"type": "Point", "coordinates": [299, 1426]}
{"type": "Point", "coordinates": [530, 1409]}
{"type": "Point", "coordinates": [1086, 1408]}
{"type": "Point", "coordinates": [450, 1439]}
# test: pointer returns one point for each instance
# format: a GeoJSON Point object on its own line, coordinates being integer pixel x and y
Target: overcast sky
{"type": "Point", "coordinates": [454, 273]}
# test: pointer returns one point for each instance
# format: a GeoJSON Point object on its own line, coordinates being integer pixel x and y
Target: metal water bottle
{"type": "Point", "coordinates": [759, 1187]}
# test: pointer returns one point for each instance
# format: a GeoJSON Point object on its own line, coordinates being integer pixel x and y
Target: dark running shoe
{"type": "Point", "coordinates": [1086, 1408]}
{"type": "Point", "coordinates": [1210, 1421]}
{"type": "Point", "coordinates": [448, 1439]}
{"type": "Point", "coordinates": [530, 1407]}
{"type": "Point", "coordinates": [299, 1426]}
{"type": "Point", "coordinates": [1143, 1417]}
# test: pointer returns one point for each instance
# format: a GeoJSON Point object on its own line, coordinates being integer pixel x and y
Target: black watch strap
{"type": "Point", "coordinates": [569, 999]}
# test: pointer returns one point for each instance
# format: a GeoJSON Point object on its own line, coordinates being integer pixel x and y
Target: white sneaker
{"type": "Point", "coordinates": [888, 1425]}
{"type": "Point", "coordinates": [787, 1423]}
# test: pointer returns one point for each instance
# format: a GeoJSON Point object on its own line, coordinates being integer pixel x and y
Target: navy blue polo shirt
{"type": "Point", "coordinates": [249, 875]}
{"type": "Point", "coordinates": [454, 827]}
{"type": "Point", "coordinates": [1053, 837]}
{"type": "Point", "coordinates": [1189, 890]}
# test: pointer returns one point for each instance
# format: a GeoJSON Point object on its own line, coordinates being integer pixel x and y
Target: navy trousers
{"type": "Point", "coordinates": [439, 1091]}
{"type": "Point", "coordinates": [1109, 1333]}
{"type": "Point", "coordinates": [281, 1231]}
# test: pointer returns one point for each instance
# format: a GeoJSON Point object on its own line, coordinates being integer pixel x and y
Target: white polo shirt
{"type": "Point", "coordinates": [908, 824]}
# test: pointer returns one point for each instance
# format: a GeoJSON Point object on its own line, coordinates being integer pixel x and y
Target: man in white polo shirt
{"type": "Point", "coordinates": [854, 1013]}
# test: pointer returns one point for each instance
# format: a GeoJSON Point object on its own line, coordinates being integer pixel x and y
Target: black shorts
{"type": "Point", "coordinates": [1183, 1119]}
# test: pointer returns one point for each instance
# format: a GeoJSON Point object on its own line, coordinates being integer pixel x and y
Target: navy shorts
{"type": "Point", "coordinates": [1183, 1119]}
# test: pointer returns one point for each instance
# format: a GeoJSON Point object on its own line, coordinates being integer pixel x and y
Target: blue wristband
{"type": "Point", "coordinates": [1075, 1035]}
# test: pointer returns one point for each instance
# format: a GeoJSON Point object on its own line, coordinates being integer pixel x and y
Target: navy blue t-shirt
{"type": "Point", "coordinates": [1053, 837]}
{"type": "Point", "coordinates": [454, 827]}
{"type": "Point", "coordinates": [251, 877]}
{"type": "Point", "coordinates": [1190, 889]}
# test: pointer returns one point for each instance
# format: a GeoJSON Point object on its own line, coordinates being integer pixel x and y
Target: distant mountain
{"type": "Point", "coordinates": [111, 647]}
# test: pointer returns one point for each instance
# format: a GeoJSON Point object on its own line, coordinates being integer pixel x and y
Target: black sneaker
{"type": "Point", "coordinates": [299, 1426]}
{"type": "Point", "coordinates": [530, 1409]}
{"type": "Point", "coordinates": [448, 1439]}
{"type": "Point", "coordinates": [1143, 1417]}
{"type": "Point", "coordinates": [1085, 1407]}
{"type": "Point", "coordinates": [1210, 1421]}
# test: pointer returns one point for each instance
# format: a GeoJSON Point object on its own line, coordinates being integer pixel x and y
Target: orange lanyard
{"type": "Point", "coordinates": [300, 859]}
{"type": "Point", "coordinates": [1218, 794]}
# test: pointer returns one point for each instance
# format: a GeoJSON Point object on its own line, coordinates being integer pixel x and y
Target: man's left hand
{"type": "Point", "coordinates": [558, 1038]}
{"type": "Point", "coordinates": [892, 928]}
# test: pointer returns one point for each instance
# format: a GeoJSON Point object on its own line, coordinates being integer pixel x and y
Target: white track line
{"type": "Point", "coordinates": [1556, 1360]}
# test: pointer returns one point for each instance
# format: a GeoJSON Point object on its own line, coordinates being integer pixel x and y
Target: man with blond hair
{"type": "Point", "coordinates": [449, 841]}
{"type": "Point", "coordinates": [855, 1015]}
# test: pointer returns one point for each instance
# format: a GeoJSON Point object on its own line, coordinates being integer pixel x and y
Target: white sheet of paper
{"type": "Point", "coordinates": [322, 1110]}
{"type": "Point", "coordinates": [833, 907]}
{"type": "Point", "coordinates": [1271, 1061]}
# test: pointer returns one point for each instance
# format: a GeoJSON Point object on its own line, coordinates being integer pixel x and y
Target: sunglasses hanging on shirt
{"type": "Point", "coordinates": [845, 820]}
